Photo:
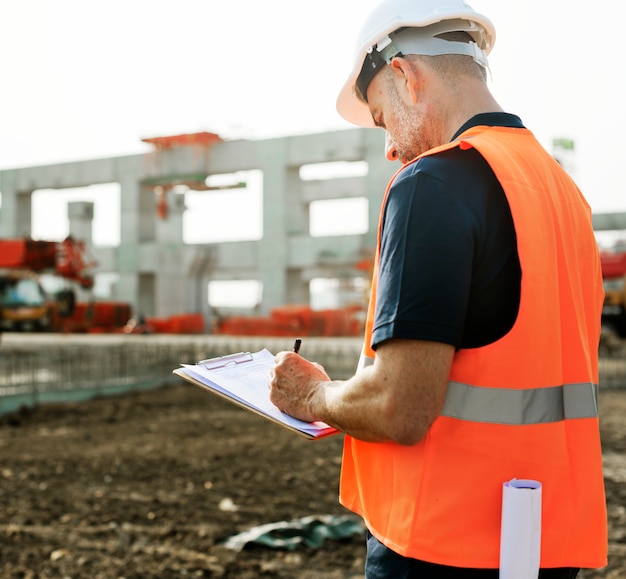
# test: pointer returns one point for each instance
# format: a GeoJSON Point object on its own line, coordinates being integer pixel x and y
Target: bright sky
{"type": "Point", "coordinates": [90, 79]}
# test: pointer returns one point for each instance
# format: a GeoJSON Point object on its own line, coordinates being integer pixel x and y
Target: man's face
{"type": "Point", "coordinates": [408, 129]}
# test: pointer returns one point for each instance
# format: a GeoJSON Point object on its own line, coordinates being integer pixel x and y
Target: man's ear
{"type": "Point", "coordinates": [402, 67]}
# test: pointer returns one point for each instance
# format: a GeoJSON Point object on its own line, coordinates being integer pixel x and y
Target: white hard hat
{"type": "Point", "coordinates": [399, 27]}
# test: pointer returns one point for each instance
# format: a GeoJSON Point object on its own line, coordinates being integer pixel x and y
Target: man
{"type": "Point", "coordinates": [480, 354]}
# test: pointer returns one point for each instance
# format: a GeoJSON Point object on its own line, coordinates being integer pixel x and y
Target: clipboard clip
{"type": "Point", "coordinates": [228, 360]}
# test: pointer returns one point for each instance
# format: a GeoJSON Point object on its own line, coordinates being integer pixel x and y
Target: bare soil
{"type": "Point", "coordinates": [148, 485]}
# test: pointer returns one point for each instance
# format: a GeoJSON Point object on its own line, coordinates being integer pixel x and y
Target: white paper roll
{"type": "Point", "coordinates": [520, 536]}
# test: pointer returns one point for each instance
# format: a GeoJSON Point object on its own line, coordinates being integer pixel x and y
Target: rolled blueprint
{"type": "Point", "coordinates": [520, 535]}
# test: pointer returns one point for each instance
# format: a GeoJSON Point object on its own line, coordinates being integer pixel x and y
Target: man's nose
{"type": "Point", "coordinates": [390, 149]}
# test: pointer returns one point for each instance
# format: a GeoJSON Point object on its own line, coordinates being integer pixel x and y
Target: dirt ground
{"type": "Point", "coordinates": [148, 485]}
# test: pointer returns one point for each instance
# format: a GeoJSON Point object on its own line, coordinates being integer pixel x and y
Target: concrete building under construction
{"type": "Point", "coordinates": [158, 273]}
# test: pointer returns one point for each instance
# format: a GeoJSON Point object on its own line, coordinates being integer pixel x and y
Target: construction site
{"type": "Point", "coordinates": [112, 467]}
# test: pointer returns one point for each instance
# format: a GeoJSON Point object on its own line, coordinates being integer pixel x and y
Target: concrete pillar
{"type": "Point", "coordinates": [171, 278]}
{"type": "Point", "coordinates": [273, 247]}
{"type": "Point", "coordinates": [297, 211]}
{"type": "Point", "coordinates": [138, 215]}
{"type": "Point", "coordinates": [170, 228]}
{"type": "Point", "coordinates": [80, 216]}
{"type": "Point", "coordinates": [146, 291]}
{"type": "Point", "coordinates": [380, 171]}
{"type": "Point", "coordinates": [298, 224]}
{"type": "Point", "coordinates": [198, 274]}
{"type": "Point", "coordinates": [16, 211]}
{"type": "Point", "coordinates": [138, 207]}
{"type": "Point", "coordinates": [298, 291]}
{"type": "Point", "coordinates": [24, 214]}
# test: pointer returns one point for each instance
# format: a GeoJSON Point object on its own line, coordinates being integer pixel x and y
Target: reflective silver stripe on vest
{"type": "Point", "coordinates": [516, 407]}
{"type": "Point", "coordinates": [530, 406]}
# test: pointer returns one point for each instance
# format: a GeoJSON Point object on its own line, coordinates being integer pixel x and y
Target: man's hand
{"type": "Point", "coordinates": [395, 399]}
{"type": "Point", "coordinates": [294, 385]}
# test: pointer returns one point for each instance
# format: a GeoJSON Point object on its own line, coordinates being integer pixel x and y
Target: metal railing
{"type": "Point", "coordinates": [43, 368]}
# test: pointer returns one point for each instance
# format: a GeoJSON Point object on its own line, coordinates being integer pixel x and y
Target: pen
{"type": "Point", "coordinates": [296, 345]}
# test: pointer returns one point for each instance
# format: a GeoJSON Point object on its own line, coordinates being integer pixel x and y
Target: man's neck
{"type": "Point", "coordinates": [476, 99]}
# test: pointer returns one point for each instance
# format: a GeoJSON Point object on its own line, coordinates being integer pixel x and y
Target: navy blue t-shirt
{"type": "Point", "coordinates": [449, 268]}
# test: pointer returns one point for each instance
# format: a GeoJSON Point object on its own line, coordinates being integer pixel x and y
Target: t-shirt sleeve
{"type": "Point", "coordinates": [427, 248]}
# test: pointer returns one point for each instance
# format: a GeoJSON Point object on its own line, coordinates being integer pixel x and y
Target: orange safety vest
{"type": "Point", "coordinates": [522, 407]}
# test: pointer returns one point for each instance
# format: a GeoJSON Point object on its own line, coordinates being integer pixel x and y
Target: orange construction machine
{"type": "Point", "coordinates": [296, 320]}
{"type": "Point", "coordinates": [64, 258]}
{"type": "Point", "coordinates": [614, 275]}
{"type": "Point", "coordinates": [25, 306]}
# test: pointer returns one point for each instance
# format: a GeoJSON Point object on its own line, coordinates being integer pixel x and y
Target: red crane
{"type": "Point", "coordinates": [23, 302]}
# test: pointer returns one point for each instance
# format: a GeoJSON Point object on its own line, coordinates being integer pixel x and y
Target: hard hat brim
{"type": "Point", "coordinates": [351, 107]}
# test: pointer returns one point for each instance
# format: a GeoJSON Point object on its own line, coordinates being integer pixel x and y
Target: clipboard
{"type": "Point", "coordinates": [221, 361]}
{"type": "Point", "coordinates": [242, 379]}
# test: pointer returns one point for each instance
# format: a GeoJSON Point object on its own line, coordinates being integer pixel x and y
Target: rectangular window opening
{"type": "Point", "coordinates": [339, 217]}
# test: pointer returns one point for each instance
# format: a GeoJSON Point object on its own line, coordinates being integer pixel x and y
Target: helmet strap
{"type": "Point", "coordinates": [375, 59]}
{"type": "Point", "coordinates": [422, 41]}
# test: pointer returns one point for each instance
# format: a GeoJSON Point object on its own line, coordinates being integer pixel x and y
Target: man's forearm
{"type": "Point", "coordinates": [396, 399]}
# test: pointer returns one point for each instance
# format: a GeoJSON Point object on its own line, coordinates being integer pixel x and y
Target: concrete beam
{"type": "Point", "coordinates": [609, 221]}
{"type": "Point", "coordinates": [341, 188]}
